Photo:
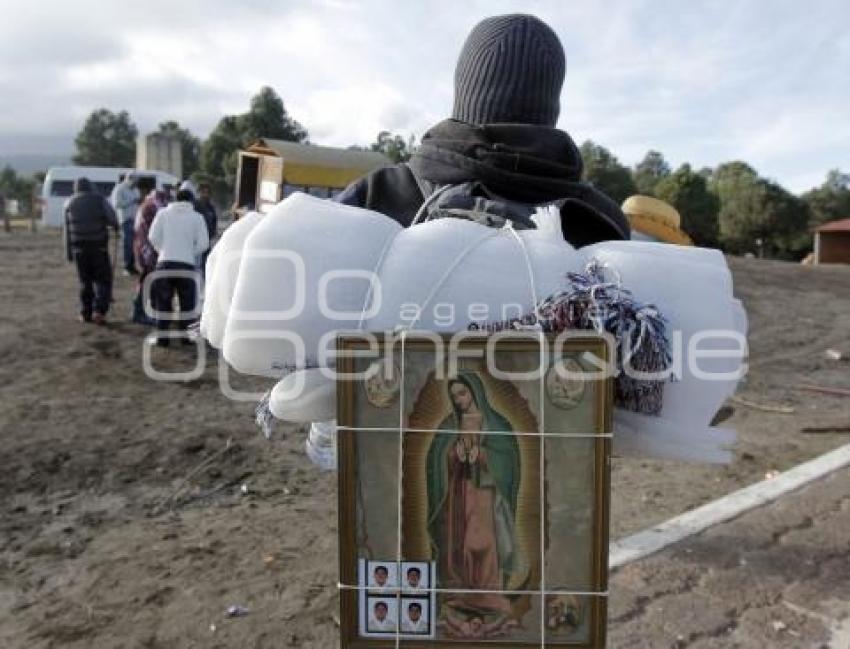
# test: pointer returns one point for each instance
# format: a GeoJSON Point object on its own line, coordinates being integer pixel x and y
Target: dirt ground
{"type": "Point", "coordinates": [126, 519]}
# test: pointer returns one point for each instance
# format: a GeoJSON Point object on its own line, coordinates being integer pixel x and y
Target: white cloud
{"type": "Point", "coordinates": [703, 82]}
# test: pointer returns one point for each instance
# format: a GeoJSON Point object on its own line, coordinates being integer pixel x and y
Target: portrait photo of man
{"type": "Point", "coordinates": [382, 574]}
{"type": "Point", "coordinates": [414, 619]}
{"type": "Point", "coordinates": [414, 575]}
{"type": "Point", "coordinates": [383, 616]}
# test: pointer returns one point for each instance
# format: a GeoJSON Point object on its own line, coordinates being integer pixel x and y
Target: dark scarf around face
{"type": "Point", "coordinates": [521, 162]}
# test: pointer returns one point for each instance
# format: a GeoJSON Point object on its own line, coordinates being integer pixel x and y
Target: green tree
{"type": "Point", "coordinates": [830, 201]}
{"type": "Point", "coordinates": [107, 139]}
{"type": "Point", "coordinates": [726, 175]}
{"type": "Point", "coordinates": [688, 192]}
{"type": "Point", "coordinates": [19, 188]}
{"type": "Point", "coordinates": [706, 172]}
{"type": "Point", "coordinates": [758, 215]}
{"type": "Point", "coordinates": [789, 216]}
{"type": "Point", "coordinates": [219, 154]}
{"type": "Point", "coordinates": [395, 147]}
{"type": "Point", "coordinates": [604, 171]}
{"type": "Point", "coordinates": [190, 146]}
{"type": "Point", "coordinates": [267, 117]}
{"type": "Point", "coordinates": [650, 171]}
{"type": "Point", "coordinates": [735, 185]}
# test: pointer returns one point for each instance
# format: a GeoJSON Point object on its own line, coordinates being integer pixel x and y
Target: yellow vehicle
{"type": "Point", "coordinates": [654, 220]}
{"type": "Point", "coordinates": [270, 170]}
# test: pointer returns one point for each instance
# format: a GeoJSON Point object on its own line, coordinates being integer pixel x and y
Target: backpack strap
{"type": "Point", "coordinates": [473, 201]}
{"type": "Point", "coordinates": [426, 187]}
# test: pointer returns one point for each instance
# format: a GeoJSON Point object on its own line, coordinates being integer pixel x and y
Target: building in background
{"type": "Point", "coordinates": [270, 170]}
{"type": "Point", "coordinates": [832, 243]}
{"type": "Point", "coordinates": [156, 151]}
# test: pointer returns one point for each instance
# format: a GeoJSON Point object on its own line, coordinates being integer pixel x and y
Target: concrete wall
{"type": "Point", "coordinates": [157, 152]}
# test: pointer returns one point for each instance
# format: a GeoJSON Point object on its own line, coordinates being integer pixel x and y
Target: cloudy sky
{"type": "Point", "coordinates": [764, 81]}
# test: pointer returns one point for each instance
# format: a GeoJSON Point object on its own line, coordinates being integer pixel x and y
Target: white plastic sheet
{"type": "Point", "coordinates": [302, 273]}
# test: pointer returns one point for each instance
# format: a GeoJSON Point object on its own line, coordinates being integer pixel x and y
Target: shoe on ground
{"type": "Point", "coordinates": [84, 318]}
{"type": "Point", "coordinates": [142, 320]}
{"type": "Point", "coordinates": [99, 319]}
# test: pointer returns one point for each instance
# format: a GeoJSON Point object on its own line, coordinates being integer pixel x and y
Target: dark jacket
{"type": "Point", "coordinates": [207, 210]}
{"type": "Point", "coordinates": [522, 163]}
{"type": "Point", "coordinates": [88, 215]}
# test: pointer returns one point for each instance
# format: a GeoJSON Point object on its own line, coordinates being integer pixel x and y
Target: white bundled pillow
{"type": "Point", "coordinates": [276, 303]}
{"type": "Point", "coordinates": [473, 269]}
{"type": "Point", "coordinates": [222, 269]}
{"type": "Point", "coordinates": [692, 288]}
{"type": "Point", "coordinates": [456, 270]}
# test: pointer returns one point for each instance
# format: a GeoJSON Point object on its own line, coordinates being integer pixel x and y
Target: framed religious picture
{"type": "Point", "coordinates": [473, 489]}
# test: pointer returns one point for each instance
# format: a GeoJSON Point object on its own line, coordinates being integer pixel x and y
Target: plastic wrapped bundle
{"type": "Point", "coordinates": [463, 269]}
{"type": "Point", "coordinates": [693, 288]}
{"type": "Point", "coordinates": [284, 298]}
{"type": "Point", "coordinates": [478, 272]}
{"type": "Point", "coordinates": [222, 270]}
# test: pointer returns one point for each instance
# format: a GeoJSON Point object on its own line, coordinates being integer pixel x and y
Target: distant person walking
{"type": "Point", "coordinates": [179, 235]}
{"type": "Point", "coordinates": [125, 199]}
{"type": "Point", "coordinates": [144, 253]}
{"type": "Point", "coordinates": [88, 217]}
{"type": "Point", "coordinates": [206, 209]}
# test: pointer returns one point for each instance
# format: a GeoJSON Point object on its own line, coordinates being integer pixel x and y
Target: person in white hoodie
{"type": "Point", "coordinates": [179, 235]}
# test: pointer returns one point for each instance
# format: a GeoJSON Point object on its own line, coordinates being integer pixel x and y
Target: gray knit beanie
{"type": "Point", "coordinates": [510, 70]}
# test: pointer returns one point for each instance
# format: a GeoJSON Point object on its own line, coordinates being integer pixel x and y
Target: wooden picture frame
{"type": "Point", "coordinates": [509, 527]}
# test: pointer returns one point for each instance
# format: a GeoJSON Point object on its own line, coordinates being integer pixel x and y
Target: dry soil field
{"type": "Point", "coordinates": [110, 537]}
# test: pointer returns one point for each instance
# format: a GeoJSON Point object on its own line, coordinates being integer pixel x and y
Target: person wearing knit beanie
{"type": "Point", "coordinates": [500, 144]}
{"type": "Point", "coordinates": [510, 71]}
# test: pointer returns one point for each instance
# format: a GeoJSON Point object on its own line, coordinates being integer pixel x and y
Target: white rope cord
{"type": "Point", "coordinates": [540, 433]}
{"type": "Point", "coordinates": [618, 285]}
{"type": "Point", "coordinates": [474, 591]}
{"type": "Point", "coordinates": [427, 203]}
{"type": "Point", "coordinates": [447, 273]}
{"type": "Point", "coordinates": [400, 485]}
{"type": "Point", "coordinates": [366, 429]}
{"type": "Point", "coordinates": [541, 424]}
{"type": "Point", "coordinates": [386, 247]}
{"type": "Point", "coordinates": [529, 268]}
{"type": "Point", "coordinates": [378, 265]}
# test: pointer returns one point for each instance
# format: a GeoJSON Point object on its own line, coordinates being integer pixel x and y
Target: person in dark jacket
{"type": "Point", "coordinates": [501, 141]}
{"type": "Point", "coordinates": [205, 207]}
{"type": "Point", "coordinates": [88, 217]}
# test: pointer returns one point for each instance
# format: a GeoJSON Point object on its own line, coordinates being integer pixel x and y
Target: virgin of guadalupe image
{"type": "Point", "coordinates": [473, 483]}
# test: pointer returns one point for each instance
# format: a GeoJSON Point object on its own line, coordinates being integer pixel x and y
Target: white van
{"type": "Point", "coordinates": [59, 185]}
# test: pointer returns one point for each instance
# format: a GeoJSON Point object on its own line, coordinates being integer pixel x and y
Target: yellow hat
{"type": "Point", "coordinates": [656, 219]}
